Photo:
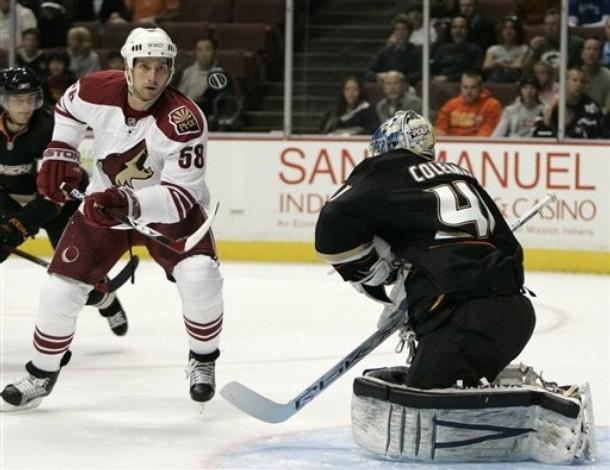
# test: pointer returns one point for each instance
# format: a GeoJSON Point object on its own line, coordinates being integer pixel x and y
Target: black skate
{"type": "Point", "coordinates": [29, 391]}
{"type": "Point", "coordinates": [201, 370]}
{"type": "Point", "coordinates": [111, 309]}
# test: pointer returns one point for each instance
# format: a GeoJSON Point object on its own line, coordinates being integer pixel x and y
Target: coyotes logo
{"type": "Point", "coordinates": [183, 121]}
{"type": "Point", "coordinates": [123, 168]}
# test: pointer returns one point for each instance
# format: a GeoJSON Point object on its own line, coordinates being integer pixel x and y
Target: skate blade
{"type": "Point", "coordinates": [8, 408]}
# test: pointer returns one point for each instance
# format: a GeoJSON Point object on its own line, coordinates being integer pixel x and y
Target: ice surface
{"type": "Point", "coordinates": [123, 402]}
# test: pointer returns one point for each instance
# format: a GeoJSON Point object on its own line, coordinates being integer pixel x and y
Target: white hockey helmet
{"type": "Point", "coordinates": [149, 42]}
{"type": "Point", "coordinates": [405, 130]}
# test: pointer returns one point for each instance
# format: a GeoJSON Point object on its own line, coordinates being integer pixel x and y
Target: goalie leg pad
{"type": "Point", "coordinates": [494, 423]}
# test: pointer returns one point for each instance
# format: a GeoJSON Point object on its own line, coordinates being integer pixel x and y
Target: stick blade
{"type": "Point", "coordinates": [256, 405]}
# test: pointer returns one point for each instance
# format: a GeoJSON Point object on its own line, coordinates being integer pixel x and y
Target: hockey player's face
{"type": "Point", "coordinates": [21, 107]}
{"type": "Point", "coordinates": [150, 77]}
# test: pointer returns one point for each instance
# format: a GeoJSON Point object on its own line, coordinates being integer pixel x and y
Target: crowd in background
{"type": "Point", "coordinates": [502, 83]}
{"type": "Point", "coordinates": [481, 55]}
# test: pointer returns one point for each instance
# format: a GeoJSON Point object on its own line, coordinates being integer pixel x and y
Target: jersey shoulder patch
{"type": "Point", "coordinates": [179, 118]}
{"type": "Point", "coordinates": [108, 87]}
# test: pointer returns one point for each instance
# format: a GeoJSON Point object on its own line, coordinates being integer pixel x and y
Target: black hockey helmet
{"type": "Point", "coordinates": [20, 81]}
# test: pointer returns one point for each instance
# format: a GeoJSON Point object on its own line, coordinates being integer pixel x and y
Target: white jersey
{"type": "Point", "coordinates": [160, 153]}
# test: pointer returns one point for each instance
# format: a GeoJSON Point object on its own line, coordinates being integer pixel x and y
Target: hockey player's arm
{"type": "Point", "coordinates": [345, 237]}
{"type": "Point", "coordinates": [60, 163]}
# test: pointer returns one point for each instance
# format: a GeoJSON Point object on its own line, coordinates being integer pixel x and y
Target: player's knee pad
{"type": "Point", "coordinates": [60, 294]}
{"type": "Point", "coordinates": [199, 284]}
{"type": "Point", "coordinates": [517, 417]}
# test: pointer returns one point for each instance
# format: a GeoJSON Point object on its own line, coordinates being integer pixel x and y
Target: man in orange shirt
{"type": "Point", "coordinates": [474, 113]}
{"type": "Point", "coordinates": [150, 11]}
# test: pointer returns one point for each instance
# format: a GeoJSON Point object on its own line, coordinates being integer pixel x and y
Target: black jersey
{"type": "Point", "coordinates": [19, 155]}
{"type": "Point", "coordinates": [436, 216]}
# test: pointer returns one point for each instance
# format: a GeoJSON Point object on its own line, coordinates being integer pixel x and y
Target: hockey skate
{"type": "Point", "coordinates": [28, 392]}
{"type": "Point", "coordinates": [201, 371]}
{"type": "Point", "coordinates": [111, 309]}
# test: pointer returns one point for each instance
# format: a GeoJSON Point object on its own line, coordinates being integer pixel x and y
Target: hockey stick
{"type": "Point", "coordinates": [106, 285]}
{"type": "Point", "coordinates": [180, 246]}
{"type": "Point", "coordinates": [264, 409]}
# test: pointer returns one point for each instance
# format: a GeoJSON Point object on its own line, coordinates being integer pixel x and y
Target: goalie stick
{"type": "Point", "coordinates": [267, 410]}
{"type": "Point", "coordinates": [181, 245]}
{"type": "Point", "coordinates": [106, 285]}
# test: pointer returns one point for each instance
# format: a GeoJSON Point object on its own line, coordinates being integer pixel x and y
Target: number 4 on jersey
{"type": "Point", "coordinates": [452, 214]}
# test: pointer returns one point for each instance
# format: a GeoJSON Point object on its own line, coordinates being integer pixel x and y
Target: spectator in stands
{"type": "Point", "coordinates": [481, 30]}
{"type": "Point", "coordinates": [518, 119]}
{"type": "Point", "coordinates": [474, 113]}
{"type": "Point", "coordinates": [59, 77]}
{"type": "Point", "coordinates": [415, 15]}
{"type": "Point", "coordinates": [584, 117]}
{"type": "Point", "coordinates": [352, 114]}
{"type": "Point", "coordinates": [453, 59]}
{"type": "Point", "coordinates": [589, 13]}
{"type": "Point", "coordinates": [204, 80]}
{"type": "Point", "coordinates": [115, 61]}
{"type": "Point", "coordinates": [598, 77]}
{"type": "Point", "coordinates": [399, 55]}
{"type": "Point", "coordinates": [549, 88]}
{"type": "Point", "coordinates": [153, 11]}
{"type": "Point", "coordinates": [83, 59]}
{"type": "Point", "coordinates": [532, 12]}
{"type": "Point", "coordinates": [398, 95]}
{"type": "Point", "coordinates": [111, 11]}
{"type": "Point", "coordinates": [25, 20]}
{"type": "Point", "coordinates": [30, 55]}
{"type": "Point", "coordinates": [54, 24]}
{"type": "Point", "coordinates": [504, 62]}
{"type": "Point", "coordinates": [546, 48]}
{"type": "Point", "coordinates": [606, 47]}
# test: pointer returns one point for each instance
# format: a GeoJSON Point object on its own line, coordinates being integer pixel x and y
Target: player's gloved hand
{"type": "Point", "coordinates": [12, 234]}
{"type": "Point", "coordinates": [100, 207]}
{"type": "Point", "coordinates": [59, 166]}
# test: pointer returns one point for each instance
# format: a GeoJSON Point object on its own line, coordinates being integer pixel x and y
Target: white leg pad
{"type": "Point", "coordinates": [199, 284]}
{"type": "Point", "coordinates": [61, 300]}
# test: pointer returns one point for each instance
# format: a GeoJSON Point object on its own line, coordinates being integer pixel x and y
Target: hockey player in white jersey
{"type": "Point", "coordinates": [150, 145]}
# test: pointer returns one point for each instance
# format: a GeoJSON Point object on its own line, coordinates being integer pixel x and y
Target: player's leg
{"type": "Point", "coordinates": [83, 256]}
{"type": "Point", "coordinates": [479, 339]}
{"type": "Point", "coordinates": [108, 304]}
{"type": "Point", "coordinates": [199, 282]}
{"type": "Point", "coordinates": [200, 287]}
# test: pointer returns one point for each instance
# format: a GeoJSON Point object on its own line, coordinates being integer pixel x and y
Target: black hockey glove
{"type": "Point", "coordinates": [12, 233]}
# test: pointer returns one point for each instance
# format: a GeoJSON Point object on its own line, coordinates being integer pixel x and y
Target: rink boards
{"type": "Point", "coordinates": [271, 190]}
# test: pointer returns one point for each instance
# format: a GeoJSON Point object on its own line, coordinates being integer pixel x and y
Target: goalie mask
{"type": "Point", "coordinates": [405, 130]}
{"type": "Point", "coordinates": [151, 43]}
{"type": "Point", "coordinates": [20, 81]}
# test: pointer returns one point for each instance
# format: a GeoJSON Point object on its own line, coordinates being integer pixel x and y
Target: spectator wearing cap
{"type": "Point", "coordinates": [25, 20]}
{"type": "Point", "coordinates": [397, 96]}
{"type": "Point", "coordinates": [598, 77]}
{"type": "Point", "coordinates": [54, 24]}
{"type": "Point", "coordinates": [399, 54]}
{"type": "Point", "coordinates": [474, 113]}
{"type": "Point", "coordinates": [504, 61]}
{"type": "Point", "coordinates": [518, 119]}
{"type": "Point", "coordinates": [451, 60]}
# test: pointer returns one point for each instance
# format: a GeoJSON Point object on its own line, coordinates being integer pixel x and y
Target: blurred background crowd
{"type": "Point", "coordinates": [494, 68]}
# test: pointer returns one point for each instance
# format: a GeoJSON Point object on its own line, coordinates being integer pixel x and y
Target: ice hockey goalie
{"type": "Point", "coordinates": [517, 417]}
